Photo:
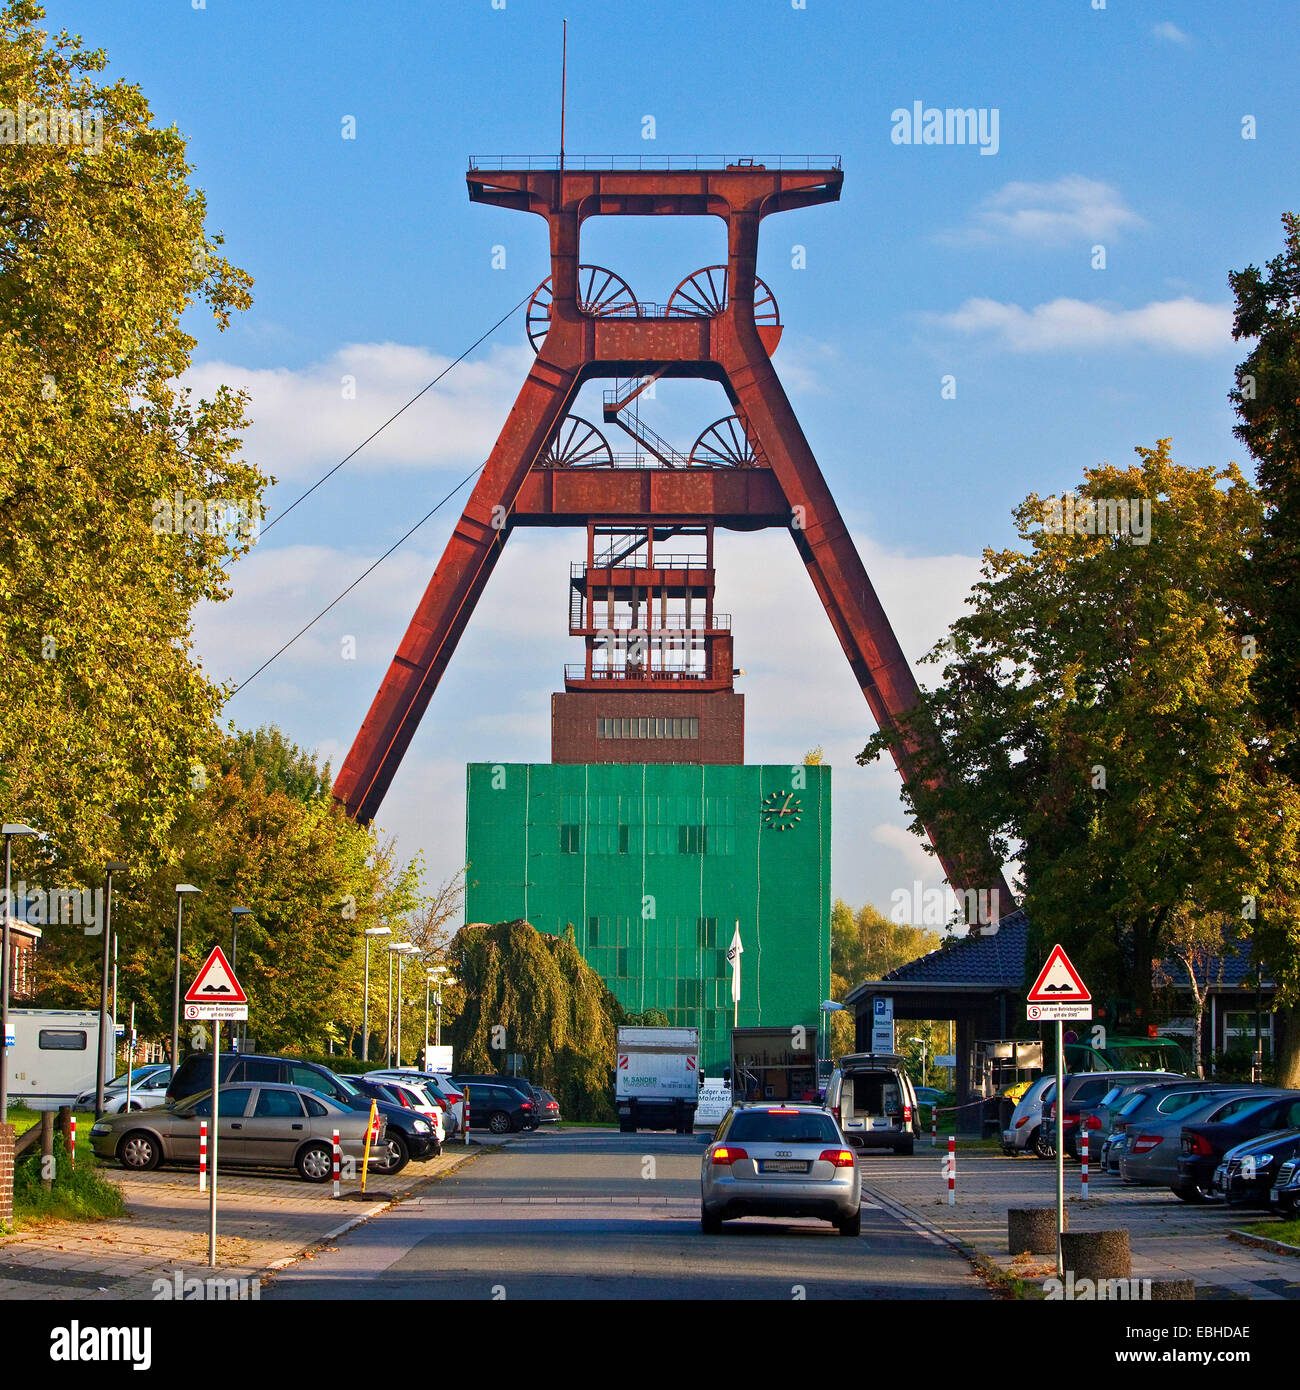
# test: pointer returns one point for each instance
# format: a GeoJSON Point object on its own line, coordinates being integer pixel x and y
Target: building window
{"type": "Point", "coordinates": [570, 839]}
{"type": "Point", "coordinates": [692, 839]}
{"type": "Point", "coordinates": [593, 931]}
{"type": "Point", "coordinates": [688, 994]}
{"type": "Point", "coordinates": [649, 727]}
{"type": "Point", "coordinates": [624, 839]}
{"type": "Point", "coordinates": [708, 932]}
{"type": "Point", "coordinates": [623, 971]}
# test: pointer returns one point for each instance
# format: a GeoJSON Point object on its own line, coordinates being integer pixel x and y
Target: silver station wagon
{"type": "Point", "coordinates": [780, 1160]}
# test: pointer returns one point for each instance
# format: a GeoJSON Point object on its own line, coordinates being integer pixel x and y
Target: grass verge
{"type": "Point", "coordinates": [74, 1194]}
{"type": "Point", "coordinates": [1288, 1232]}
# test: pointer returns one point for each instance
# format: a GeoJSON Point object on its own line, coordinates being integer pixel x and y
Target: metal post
{"type": "Point", "coordinates": [1060, 1148]}
{"type": "Point", "coordinates": [425, 1057]}
{"type": "Point", "coordinates": [388, 1039]}
{"type": "Point", "coordinates": [216, 1126]}
{"type": "Point", "coordinates": [401, 959]}
{"type": "Point", "coordinates": [365, 1010]}
{"type": "Point", "coordinates": [437, 1037]}
{"type": "Point", "coordinates": [103, 988]}
{"type": "Point", "coordinates": [4, 987]}
{"type": "Point", "coordinates": [116, 1015]}
{"type": "Point", "coordinates": [176, 991]}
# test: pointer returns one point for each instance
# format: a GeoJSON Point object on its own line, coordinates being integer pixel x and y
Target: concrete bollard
{"type": "Point", "coordinates": [1032, 1229]}
{"type": "Point", "coordinates": [1097, 1254]}
{"type": "Point", "coordinates": [1168, 1290]}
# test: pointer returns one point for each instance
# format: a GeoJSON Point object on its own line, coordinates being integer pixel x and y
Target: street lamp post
{"type": "Point", "coordinates": [365, 997]}
{"type": "Point", "coordinates": [446, 980]}
{"type": "Point", "coordinates": [11, 833]}
{"type": "Point", "coordinates": [235, 914]}
{"type": "Point", "coordinates": [114, 866]}
{"type": "Point", "coordinates": [828, 1007]}
{"type": "Point", "coordinates": [182, 890]}
{"type": "Point", "coordinates": [401, 951]}
{"type": "Point", "coordinates": [922, 1042]}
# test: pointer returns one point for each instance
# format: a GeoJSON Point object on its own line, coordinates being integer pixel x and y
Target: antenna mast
{"type": "Point", "coordinates": [564, 75]}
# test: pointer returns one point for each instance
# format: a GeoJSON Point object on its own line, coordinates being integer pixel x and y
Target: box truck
{"type": "Point", "coordinates": [51, 1055]}
{"type": "Point", "coordinates": [657, 1079]}
{"type": "Point", "coordinates": [774, 1064]}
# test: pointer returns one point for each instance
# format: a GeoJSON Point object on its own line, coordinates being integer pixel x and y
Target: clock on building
{"type": "Point", "coordinates": [781, 810]}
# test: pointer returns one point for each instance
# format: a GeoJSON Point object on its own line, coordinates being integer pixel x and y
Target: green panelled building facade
{"type": "Point", "coordinates": [653, 864]}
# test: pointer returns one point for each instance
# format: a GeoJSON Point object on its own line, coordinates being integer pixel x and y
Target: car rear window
{"type": "Point", "coordinates": [1134, 1103]}
{"type": "Point", "coordinates": [783, 1127]}
{"type": "Point", "coordinates": [1179, 1100]}
{"type": "Point", "coordinates": [1090, 1089]}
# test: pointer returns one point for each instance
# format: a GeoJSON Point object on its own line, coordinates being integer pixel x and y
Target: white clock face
{"type": "Point", "coordinates": [781, 810]}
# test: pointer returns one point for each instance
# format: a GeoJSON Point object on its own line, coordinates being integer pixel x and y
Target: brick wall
{"type": "Point", "coordinates": [8, 1135]}
{"type": "Point", "coordinates": [574, 728]}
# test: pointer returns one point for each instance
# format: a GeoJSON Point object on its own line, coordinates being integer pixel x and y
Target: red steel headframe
{"type": "Point", "coordinates": [515, 489]}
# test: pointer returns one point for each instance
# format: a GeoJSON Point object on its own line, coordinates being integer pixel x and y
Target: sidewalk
{"type": "Point", "coordinates": [1169, 1239]}
{"type": "Point", "coordinates": [264, 1222]}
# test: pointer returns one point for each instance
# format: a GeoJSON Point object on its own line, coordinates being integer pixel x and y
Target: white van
{"type": "Point", "coordinates": [51, 1056]}
{"type": "Point", "coordinates": [874, 1102]}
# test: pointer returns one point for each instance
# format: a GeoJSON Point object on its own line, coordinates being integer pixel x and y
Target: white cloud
{"type": "Point", "coordinates": [303, 424]}
{"type": "Point", "coordinates": [1170, 32]}
{"type": "Point", "coordinates": [1179, 325]}
{"type": "Point", "coordinates": [1069, 208]}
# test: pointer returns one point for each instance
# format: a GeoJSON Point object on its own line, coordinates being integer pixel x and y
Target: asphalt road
{"type": "Point", "coordinates": [594, 1214]}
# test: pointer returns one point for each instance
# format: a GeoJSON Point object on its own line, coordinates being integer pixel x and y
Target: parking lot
{"type": "Point", "coordinates": [1169, 1239]}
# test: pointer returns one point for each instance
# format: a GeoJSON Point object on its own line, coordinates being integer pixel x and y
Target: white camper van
{"type": "Point", "coordinates": [51, 1056]}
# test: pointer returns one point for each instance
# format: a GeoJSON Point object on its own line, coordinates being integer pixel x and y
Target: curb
{"type": "Point", "coordinates": [371, 1212]}
{"type": "Point", "coordinates": [1277, 1247]}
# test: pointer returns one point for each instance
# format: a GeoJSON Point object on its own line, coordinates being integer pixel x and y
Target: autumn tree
{"type": "Point", "coordinates": [107, 721]}
{"type": "Point", "coordinates": [1096, 712]}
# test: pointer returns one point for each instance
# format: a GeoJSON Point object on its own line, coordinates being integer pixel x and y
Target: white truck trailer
{"type": "Point", "coordinates": [657, 1082]}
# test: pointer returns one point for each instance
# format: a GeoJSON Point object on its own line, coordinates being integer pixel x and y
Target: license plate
{"type": "Point", "coordinates": [781, 1165]}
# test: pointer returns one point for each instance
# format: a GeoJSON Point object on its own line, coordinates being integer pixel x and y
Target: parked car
{"type": "Point", "coordinates": [408, 1135]}
{"type": "Point", "coordinates": [404, 1096]}
{"type": "Point", "coordinates": [149, 1094]}
{"type": "Point", "coordinates": [117, 1086]}
{"type": "Point", "coordinates": [1083, 1091]}
{"type": "Point", "coordinates": [1285, 1193]}
{"type": "Point", "coordinates": [522, 1085]}
{"type": "Point", "coordinates": [258, 1125]}
{"type": "Point", "coordinates": [1151, 1156]}
{"type": "Point", "coordinates": [1203, 1144]}
{"type": "Point", "coordinates": [1247, 1173]}
{"type": "Point", "coordinates": [874, 1102]}
{"type": "Point", "coordinates": [1148, 1105]}
{"type": "Point", "coordinates": [439, 1086]}
{"type": "Point", "coordinates": [1100, 1117]}
{"type": "Point", "coordinates": [500, 1109]}
{"type": "Point", "coordinates": [550, 1109]}
{"type": "Point", "coordinates": [1024, 1133]}
{"type": "Point", "coordinates": [787, 1160]}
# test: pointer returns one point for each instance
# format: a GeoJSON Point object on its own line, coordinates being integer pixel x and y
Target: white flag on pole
{"type": "Point", "coordinates": [734, 953]}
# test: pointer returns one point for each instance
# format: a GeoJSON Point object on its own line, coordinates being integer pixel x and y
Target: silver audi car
{"type": "Point", "coordinates": [780, 1160]}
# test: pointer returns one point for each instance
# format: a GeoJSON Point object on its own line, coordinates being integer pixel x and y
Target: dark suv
{"type": "Point", "coordinates": [408, 1135]}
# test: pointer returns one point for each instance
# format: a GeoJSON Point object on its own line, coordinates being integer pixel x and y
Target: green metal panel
{"type": "Point", "coordinates": [653, 865]}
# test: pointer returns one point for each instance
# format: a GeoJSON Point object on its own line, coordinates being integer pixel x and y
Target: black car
{"type": "Point", "coordinates": [408, 1135]}
{"type": "Point", "coordinates": [1248, 1172]}
{"type": "Point", "coordinates": [499, 1109]}
{"type": "Point", "coordinates": [1204, 1145]}
{"type": "Point", "coordinates": [378, 1091]}
{"type": "Point", "coordinates": [534, 1109]}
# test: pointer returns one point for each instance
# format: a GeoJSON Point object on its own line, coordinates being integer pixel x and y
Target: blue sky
{"type": "Point", "coordinates": [1119, 127]}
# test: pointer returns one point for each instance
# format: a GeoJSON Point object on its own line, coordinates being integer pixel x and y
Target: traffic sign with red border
{"type": "Point", "coordinates": [1059, 982]}
{"type": "Point", "coordinates": [215, 983]}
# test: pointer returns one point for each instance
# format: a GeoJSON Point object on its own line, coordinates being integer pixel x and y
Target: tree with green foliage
{"type": "Point", "coordinates": [108, 721]}
{"type": "Point", "coordinates": [265, 834]}
{"type": "Point", "coordinates": [529, 993]}
{"type": "Point", "coordinates": [1267, 398]}
{"type": "Point", "coordinates": [866, 945]}
{"type": "Point", "coordinates": [1096, 711]}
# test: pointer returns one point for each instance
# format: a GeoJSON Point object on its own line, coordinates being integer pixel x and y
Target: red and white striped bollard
{"type": "Point", "coordinates": [336, 1163]}
{"type": "Point", "coordinates": [952, 1169]}
{"type": "Point", "coordinates": [1083, 1157]}
{"type": "Point", "coordinates": [72, 1142]}
{"type": "Point", "coordinates": [203, 1155]}
{"type": "Point", "coordinates": [934, 1126]}
{"type": "Point", "coordinates": [465, 1112]}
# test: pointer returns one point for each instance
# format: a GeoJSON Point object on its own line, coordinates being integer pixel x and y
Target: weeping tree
{"type": "Point", "coordinates": [533, 994]}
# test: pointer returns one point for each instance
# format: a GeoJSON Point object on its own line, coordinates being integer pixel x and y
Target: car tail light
{"type": "Point", "coordinates": [527, 1105]}
{"type": "Point", "coordinates": [1197, 1144]}
{"type": "Point", "coordinates": [835, 1110]}
{"type": "Point", "coordinates": [722, 1156]}
{"type": "Point", "coordinates": [1094, 1121]}
{"type": "Point", "coordinates": [907, 1113]}
{"type": "Point", "coordinates": [1020, 1121]}
{"type": "Point", "coordinates": [1144, 1143]}
{"type": "Point", "coordinates": [404, 1099]}
{"type": "Point", "coordinates": [786, 1111]}
{"type": "Point", "coordinates": [841, 1158]}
